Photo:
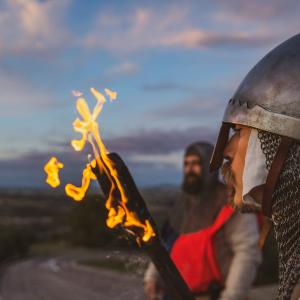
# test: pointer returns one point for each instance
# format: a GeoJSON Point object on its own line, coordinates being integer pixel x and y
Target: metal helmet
{"type": "Point", "coordinates": [267, 99]}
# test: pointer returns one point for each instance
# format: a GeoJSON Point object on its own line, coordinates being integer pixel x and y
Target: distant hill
{"type": "Point", "coordinates": [47, 212]}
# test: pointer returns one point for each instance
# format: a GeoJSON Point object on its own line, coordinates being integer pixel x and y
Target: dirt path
{"type": "Point", "coordinates": [64, 280]}
{"type": "Point", "coordinates": [61, 278]}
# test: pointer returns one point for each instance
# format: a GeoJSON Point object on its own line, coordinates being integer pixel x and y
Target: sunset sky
{"type": "Point", "coordinates": [174, 65]}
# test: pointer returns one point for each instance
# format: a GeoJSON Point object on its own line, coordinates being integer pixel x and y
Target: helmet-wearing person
{"type": "Point", "coordinates": [262, 167]}
{"type": "Point", "coordinates": [215, 249]}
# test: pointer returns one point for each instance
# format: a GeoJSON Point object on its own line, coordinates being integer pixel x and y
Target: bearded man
{"type": "Point", "coordinates": [215, 249]}
{"type": "Point", "coordinates": [263, 153]}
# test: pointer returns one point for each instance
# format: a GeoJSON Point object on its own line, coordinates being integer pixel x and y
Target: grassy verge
{"type": "Point", "coordinates": [45, 249]}
{"type": "Point", "coordinates": [115, 265]}
{"type": "Point", "coordinates": [118, 265]}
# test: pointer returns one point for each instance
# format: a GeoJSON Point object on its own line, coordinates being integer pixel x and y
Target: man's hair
{"type": "Point", "coordinates": [201, 149]}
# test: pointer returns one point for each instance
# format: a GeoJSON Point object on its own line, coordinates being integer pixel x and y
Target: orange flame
{"type": "Point", "coordinates": [77, 193]}
{"type": "Point", "coordinates": [112, 95]}
{"type": "Point", "coordinates": [88, 127]}
{"type": "Point", "coordinates": [52, 170]}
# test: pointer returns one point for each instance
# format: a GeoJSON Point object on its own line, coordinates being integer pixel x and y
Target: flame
{"type": "Point", "coordinates": [87, 126]}
{"type": "Point", "coordinates": [76, 93]}
{"type": "Point", "coordinates": [78, 193]}
{"type": "Point", "coordinates": [89, 129]}
{"type": "Point", "coordinates": [52, 170]}
{"type": "Point", "coordinates": [111, 94]}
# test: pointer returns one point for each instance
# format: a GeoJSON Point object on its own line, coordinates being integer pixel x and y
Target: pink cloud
{"type": "Point", "coordinates": [255, 10]}
{"type": "Point", "coordinates": [31, 25]}
{"type": "Point", "coordinates": [173, 27]}
{"type": "Point", "coordinates": [122, 69]}
{"type": "Point", "coordinates": [19, 96]}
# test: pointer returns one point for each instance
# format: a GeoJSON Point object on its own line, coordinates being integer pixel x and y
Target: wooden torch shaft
{"type": "Point", "coordinates": [174, 283]}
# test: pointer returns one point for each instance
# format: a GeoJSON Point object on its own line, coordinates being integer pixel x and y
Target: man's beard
{"type": "Point", "coordinates": [192, 183]}
{"type": "Point", "coordinates": [229, 180]}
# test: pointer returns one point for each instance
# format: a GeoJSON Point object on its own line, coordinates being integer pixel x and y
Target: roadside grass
{"type": "Point", "coordinates": [47, 248]}
{"type": "Point", "coordinates": [117, 265]}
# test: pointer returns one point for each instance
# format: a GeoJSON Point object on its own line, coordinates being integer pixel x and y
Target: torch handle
{"type": "Point", "coordinates": [174, 283]}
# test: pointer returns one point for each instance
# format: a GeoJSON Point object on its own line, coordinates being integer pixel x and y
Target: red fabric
{"type": "Point", "coordinates": [193, 254]}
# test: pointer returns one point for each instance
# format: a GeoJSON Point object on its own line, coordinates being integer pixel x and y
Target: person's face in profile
{"type": "Point", "coordinates": [233, 168]}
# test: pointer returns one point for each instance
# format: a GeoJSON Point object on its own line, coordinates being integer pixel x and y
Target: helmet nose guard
{"type": "Point", "coordinates": [217, 156]}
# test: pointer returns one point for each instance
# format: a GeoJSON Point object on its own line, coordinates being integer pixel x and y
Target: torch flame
{"type": "Point", "coordinates": [111, 94]}
{"type": "Point", "coordinates": [52, 170]}
{"type": "Point", "coordinates": [76, 93]}
{"type": "Point", "coordinates": [77, 193]}
{"type": "Point", "coordinates": [88, 127]}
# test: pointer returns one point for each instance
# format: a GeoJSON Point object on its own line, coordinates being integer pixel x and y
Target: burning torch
{"type": "Point", "coordinates": [126, 207]}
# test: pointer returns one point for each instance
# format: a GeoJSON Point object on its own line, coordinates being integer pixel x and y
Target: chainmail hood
{"type": "Point", "coordinates": [285, 213]}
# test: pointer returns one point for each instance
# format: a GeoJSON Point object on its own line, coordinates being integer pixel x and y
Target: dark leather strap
{"type": "Point", "coordinates": [274, 173]}
{"type": "Point", "coordinates": [264, 232]}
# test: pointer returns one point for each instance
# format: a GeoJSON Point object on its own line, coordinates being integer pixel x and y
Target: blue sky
{"type": "Point", "coordinates": [174, 65]}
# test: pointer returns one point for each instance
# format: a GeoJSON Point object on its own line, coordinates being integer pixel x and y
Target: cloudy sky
{"type": "Point", "coordinates": [174, 65]}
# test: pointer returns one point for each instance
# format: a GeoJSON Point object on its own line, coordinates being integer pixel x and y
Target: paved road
{"type": "Point", "coordinates": [53, 279]}
{"type": "Point", "coordinates": [63, 279]}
